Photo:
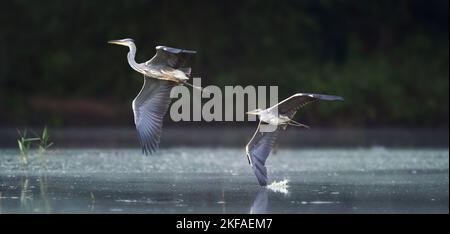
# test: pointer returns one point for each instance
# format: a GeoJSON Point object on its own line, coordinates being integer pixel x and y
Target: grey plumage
{"type": "Point", "coordinates": [290, 105]}
{"type": "Point", "coordinates": [258, 151]}
{"type": "Point", "coordinates": [150, 107]}
{"type": "Point", "coordinates": [165, 70]}
{"type": "Point", "coordinates": [279, 116]}
{"type": "Point", "coordinates": [172, 57]}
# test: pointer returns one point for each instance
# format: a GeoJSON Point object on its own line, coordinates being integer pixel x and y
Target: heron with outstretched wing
{"type": "Point", "coordinates": [278, 117]}
{"type": "Point", "coordinates": [165, 70]}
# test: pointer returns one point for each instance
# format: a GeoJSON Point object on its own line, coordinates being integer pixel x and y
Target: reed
{"type": "Point", "coordinates": [26, 143]}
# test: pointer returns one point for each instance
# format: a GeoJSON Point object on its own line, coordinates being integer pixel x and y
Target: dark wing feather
{"type": "Point", "coordinates": [258, 149]}
{"type": "Point", "coordinates": [171, 57]}
{"type": "Point", "coordinates": [291, 104]}
{"type": "Point", "coordinates": [149, 108]}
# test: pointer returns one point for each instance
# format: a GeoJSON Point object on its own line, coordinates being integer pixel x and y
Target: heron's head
{"type": "Point", "coordinates": [255, 112]}
{"type": "Point", "coordinates": [124, 42]}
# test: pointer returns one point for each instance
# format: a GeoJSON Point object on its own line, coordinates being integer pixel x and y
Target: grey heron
{"type": "Point", "coordinates": [162, 72]}
{"type": "Point", "coordinates": [279, 117]}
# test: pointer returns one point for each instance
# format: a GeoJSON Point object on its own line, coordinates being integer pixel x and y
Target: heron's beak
{"type": "Point", "coordinates": [251, 112]}
{"type": "Point", "coordinates": [117, 42]}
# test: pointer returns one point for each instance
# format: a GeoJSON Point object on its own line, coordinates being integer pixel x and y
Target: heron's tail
{"type": "Point", "coordinates": [297, 124]}
{"type": "Point", "coordinates": [196, 87]}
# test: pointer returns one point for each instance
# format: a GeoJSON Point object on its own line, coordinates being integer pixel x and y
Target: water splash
{"type": "Point", "coordinates": [279, 186]}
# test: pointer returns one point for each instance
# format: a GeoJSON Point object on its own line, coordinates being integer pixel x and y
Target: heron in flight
{"type": "Point", "coordinates": [278, 117]}
{"type": "Point", "coordinates": [162, 72]}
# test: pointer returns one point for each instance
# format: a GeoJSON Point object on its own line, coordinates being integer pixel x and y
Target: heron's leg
{"type": "Point", "coordinates": [196, 87]}
{"type": "Point", "coordinates": [297, 124]}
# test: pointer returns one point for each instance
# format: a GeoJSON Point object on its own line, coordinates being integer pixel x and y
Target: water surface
{"type": "Point", "coordinates": [217, 180]}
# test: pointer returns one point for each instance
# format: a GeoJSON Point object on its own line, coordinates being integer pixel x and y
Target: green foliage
{"type": "Point", "coordinates": [389, 59]}
{"type": "Point", "coordinates": [25, 144]}
{"type": "Point", "coordinates": [44, 142]}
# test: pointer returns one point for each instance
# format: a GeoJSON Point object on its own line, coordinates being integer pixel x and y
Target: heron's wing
{"type": "Point", "coordinates": [171, 57]}
{"type": "Point", "coordinates": [258, 149]}
{"type": "Point", "coordinates": [149, 108]}
{"type": "Point", "coordinates": [291, 104]}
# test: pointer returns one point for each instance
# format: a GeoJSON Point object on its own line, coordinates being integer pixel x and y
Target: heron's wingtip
{"type": "Point", "coordinates": [190, 51]}
{"type": "Point", "coordinates": [262, 183]}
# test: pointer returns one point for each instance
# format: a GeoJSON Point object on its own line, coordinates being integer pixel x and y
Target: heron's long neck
{"type": "Point", "coordinates": [131, 58]}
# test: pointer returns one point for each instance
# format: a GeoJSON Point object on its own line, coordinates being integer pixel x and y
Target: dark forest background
{"type": "Point", "coordinates": [389, 59]}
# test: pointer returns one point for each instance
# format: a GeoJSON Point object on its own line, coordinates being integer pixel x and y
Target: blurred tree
{"type": "Point", "coordinates": [389, 59]}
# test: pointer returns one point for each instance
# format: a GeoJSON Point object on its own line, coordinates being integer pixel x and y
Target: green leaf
{"type": "Point", "coordinates": [45, 133]}
{"type": "Point", "coordinates": [20, 145]}
{"type": "Point", "coordinates": [32, 139]}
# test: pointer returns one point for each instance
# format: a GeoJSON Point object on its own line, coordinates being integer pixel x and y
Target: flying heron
{"type": "Point", "coordinates": [162, 72]}
{"type": "Point", "coordinates": [279, 117]}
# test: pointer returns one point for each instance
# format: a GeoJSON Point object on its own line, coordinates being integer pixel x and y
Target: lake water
{"type": "Point", "coordinates": [220, 180]}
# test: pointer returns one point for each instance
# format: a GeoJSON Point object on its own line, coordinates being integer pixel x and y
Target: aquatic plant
{"type": "Point", "coordinates": [44, 144]}
{"type": "Point", "coordinates": [25, 144]}
{"type": "Point", "coordinates": [26, 195]}
{"type": "Point", "coordinates": [92, 204]}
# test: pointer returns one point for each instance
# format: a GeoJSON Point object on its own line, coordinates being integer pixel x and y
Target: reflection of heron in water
{"type": "Point", "coordinates": [164, 71]}
{"type": "Point", "coordinates": [259, 205]}
{"type": "Point", "coordinates": [279, 117]}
